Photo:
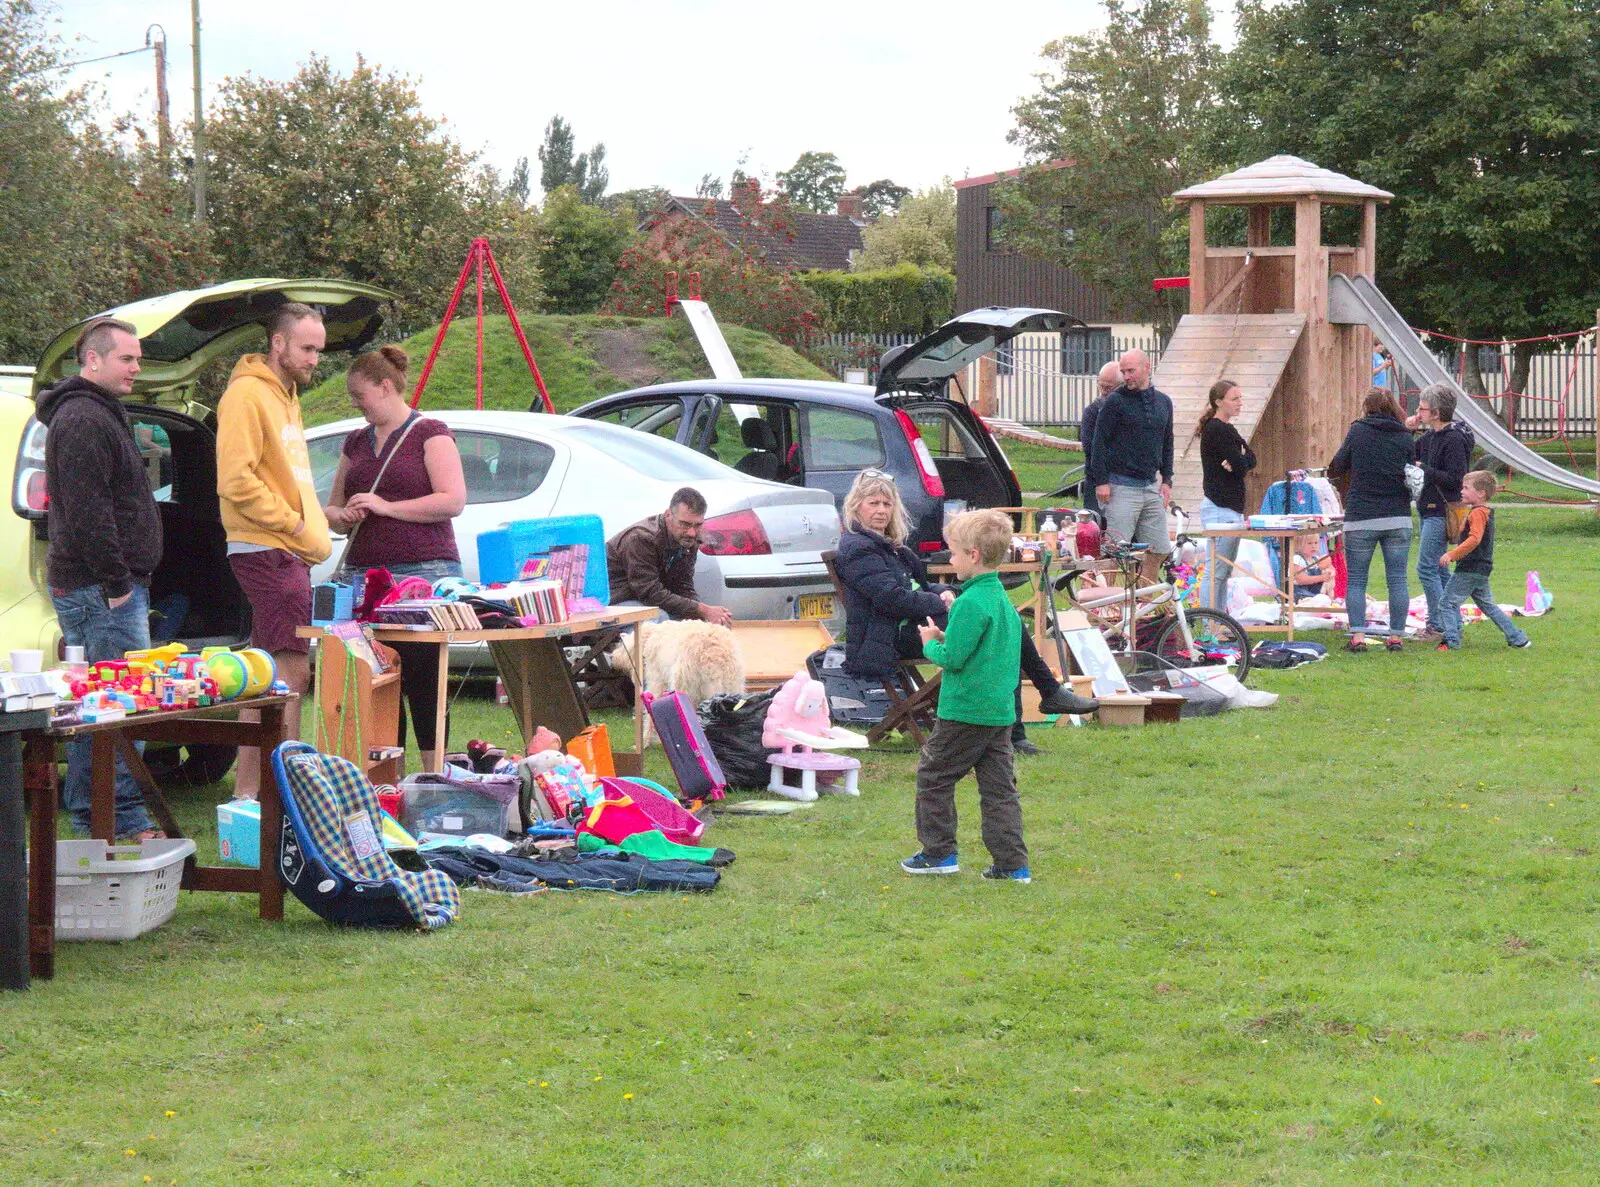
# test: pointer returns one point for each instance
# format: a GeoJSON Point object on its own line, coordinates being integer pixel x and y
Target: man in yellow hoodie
{"type": "Point", "coordinates": [275, 525]}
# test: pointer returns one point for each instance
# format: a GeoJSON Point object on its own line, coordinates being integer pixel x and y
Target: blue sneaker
{"type": "Point", "coordinates": [921, 863]}
{"type": "Point", "coordinates": [996, 874]}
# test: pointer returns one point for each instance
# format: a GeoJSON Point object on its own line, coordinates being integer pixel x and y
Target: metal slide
{"type": "Point", "coordinates": [704, 324]}
{"type": "Point", "coordinates": [1357, 301]}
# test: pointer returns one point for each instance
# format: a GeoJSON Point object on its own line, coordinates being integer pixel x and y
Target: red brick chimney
{"type": "Point", "coordinates": [850, 205]}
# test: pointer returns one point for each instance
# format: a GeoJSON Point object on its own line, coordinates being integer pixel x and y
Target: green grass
{"type": "Point", "coordinates": [1352, 938]}
{"type": "Point", "coordinates": [580, 358]}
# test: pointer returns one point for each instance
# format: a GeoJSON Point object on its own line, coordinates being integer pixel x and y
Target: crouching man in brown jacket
{"type": "Point", "coordinates": [652, 563]}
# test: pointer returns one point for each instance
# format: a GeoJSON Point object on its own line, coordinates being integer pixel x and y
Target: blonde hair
{"type": "Point", "coordinates": [867, 484]}
{"type": "Point", "coordinates": [1482, 480]}
{"type": "Point", "coordinates": [988, 531]}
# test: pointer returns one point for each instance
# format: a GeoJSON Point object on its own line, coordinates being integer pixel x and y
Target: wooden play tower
{"type": "Point", "coordinates": [1258, 315]}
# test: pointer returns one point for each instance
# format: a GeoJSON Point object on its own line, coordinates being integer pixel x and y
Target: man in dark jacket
{"type": "Point", "coordinates": [1444, 452]}
{"type": "Point", "coordinates": [652, 562]}
{"type": "Point", "coordinates": [1108, 379]}
{"type": "Point", "coordinates": [105, 534]}
{"type": "Point", "coordinates": [1130, 462]}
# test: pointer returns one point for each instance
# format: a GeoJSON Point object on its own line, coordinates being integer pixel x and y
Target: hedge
{"type": "Point", "coordinates": [904, 299]}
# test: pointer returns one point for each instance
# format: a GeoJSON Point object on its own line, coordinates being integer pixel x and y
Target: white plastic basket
{"type": "Point", "coordinates": [116, 892]}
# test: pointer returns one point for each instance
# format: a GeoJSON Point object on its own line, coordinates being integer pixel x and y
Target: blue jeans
{"type": "Point", "coordinates": [1475, 586]}
{"type": "Point", "coordinates": [1214, 586]}
{"type": "Point", "coordinates": [103, 633]}
{"type": "Point", "coordinates": [1431, 545]}
{"type": "Point", "coordinates": [1358, 549]}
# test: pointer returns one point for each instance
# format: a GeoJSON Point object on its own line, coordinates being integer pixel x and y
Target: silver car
{"type": "Point", "coordinates": [761, 550]}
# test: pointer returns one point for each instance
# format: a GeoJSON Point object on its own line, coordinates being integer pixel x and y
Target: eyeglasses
{"type": "Point", "coordinates": [873, 473]}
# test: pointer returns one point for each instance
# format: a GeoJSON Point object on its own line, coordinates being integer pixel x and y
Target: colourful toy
{"type": "Point", "coordinates": [798, 716]}
{"type": "Point", "coordinates": [241, 674]}
{"type": "Point", "coordinates": [154, 659]}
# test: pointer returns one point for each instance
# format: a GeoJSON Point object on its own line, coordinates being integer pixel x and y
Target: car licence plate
{"type": "Point", "coordinates": [815, 606]}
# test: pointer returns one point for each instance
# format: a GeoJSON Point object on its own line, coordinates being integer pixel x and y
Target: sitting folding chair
{"type": "Point", "coordinates": [331, 854]}
{"type": "Point", "coordinates": [912, 698]}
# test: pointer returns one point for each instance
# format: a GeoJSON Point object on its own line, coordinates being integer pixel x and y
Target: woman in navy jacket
{"type": "Point", "coordinates": [887, 594]}
{"type": "Point", "coordinates": [1377, 512]}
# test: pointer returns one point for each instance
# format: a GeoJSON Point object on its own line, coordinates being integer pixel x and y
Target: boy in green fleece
{"type": "Point", "coordinates": [979, 650]}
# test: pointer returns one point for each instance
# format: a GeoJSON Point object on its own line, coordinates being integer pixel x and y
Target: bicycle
{"type": "Point", "coordinates": [1153, 618]}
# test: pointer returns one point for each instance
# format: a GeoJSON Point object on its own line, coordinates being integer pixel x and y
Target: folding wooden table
{"type": "Point", "coordinates": [1285, 538]}
{"type": "Point", "coordinates": [538, 678]}
{"type": "Point", "coordinates": [113, 739]}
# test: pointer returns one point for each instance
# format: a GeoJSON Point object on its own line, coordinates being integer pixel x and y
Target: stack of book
{"type": "Point", "coordinates": [542, 602]}
{"type": "Point", "coordinates": [430, 614]}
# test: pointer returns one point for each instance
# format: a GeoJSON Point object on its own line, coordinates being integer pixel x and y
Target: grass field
{"type": "Point", "coordinates": [1352, 938]}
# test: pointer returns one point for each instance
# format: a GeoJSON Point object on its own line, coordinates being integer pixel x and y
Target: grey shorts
{"type": "Point", "coordinates": [1137, 515]}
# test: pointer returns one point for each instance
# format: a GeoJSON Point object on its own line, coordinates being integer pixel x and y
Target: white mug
{"type": "Point", "coordinates": [27, 661]}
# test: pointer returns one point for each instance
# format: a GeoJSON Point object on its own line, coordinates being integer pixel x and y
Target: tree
{"type": "Point", "coordinates": [1127, 106]}
{"type": "Point", "coordinates": [518, 187]}
{"type": "Point", "coordinates": [89, 217]}
{"type": "Point", "coordinates": [336, 175]}
{"type": "Point", "coordinates": [882, 197]}
{"type": "Point", "coordinates": [1481, 117]}
{"type": "Point", "coordinates": [814, 182]}
{"type": "Point", "coordinates": [922, 233]}
{"type": "Point", "coordinates": [709, 187]}
{"type": "Point", "coordinates": [579, 248]}
{"type": "Point", "coordinates": [586, 173]}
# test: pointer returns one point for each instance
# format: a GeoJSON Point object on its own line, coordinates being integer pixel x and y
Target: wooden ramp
{"type": "Point", "coordinates": [1017, 431]}
{"type": "Point", "coordinates": [1252, 349]}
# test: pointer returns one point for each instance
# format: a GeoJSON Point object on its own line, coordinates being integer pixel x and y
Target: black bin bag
{"type": "Point", "coordinates": [732, 726]}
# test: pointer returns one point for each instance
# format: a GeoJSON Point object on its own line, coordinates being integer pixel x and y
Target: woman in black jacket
{"type": "Point", "coordinates": [887, 595]}
{"type": "Point", "coordinates": [1225, 459]}
{"type": "Point", "coordinates": [1377, 512]}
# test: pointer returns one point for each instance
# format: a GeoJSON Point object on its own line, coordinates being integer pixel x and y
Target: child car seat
{"type": "Point", "coordinates": [331, 853]}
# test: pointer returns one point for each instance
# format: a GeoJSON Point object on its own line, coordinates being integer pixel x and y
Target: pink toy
{"type": "Point", "coordinates": [798, 716]}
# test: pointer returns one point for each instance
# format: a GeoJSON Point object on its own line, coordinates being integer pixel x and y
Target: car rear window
{"type": "Point", "coordinates": [836, 439]}
{"type": "Point", "coordinates": [665, 461]}
{"type": "Point", "coordinates": [499, 469]}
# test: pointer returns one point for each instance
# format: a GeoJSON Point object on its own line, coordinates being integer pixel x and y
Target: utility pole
{"type": "Point", "coordinates": [199, 122]}
{"type": "Point", "coordinates": [163, 108]}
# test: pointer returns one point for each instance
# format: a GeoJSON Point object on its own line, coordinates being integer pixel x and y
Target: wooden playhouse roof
{"type": "Point", "coordinates": [1282, 177]}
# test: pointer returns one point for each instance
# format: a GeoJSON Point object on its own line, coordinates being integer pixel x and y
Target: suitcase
{"type": "Point", "coordinates": [696, 768]}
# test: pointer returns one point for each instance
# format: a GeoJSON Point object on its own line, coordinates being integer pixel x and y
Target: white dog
{"type": "Point", "coordinates": [698, 659]}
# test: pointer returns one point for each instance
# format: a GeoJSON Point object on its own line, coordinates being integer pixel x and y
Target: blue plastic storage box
{"type": "Point", "coordinates": [502, 551]}
{"type": "Point", "coordinates": [239, 832]}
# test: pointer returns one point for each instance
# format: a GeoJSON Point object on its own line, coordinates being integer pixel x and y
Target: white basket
{"type": "Point", "coordinates": [116, 892]}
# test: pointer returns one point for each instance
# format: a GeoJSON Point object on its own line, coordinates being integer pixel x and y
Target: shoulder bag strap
{"type": "Point", "coordinates": [405, 431]}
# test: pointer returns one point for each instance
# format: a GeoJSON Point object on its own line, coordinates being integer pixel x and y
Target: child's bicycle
{"type": "Point", "coordinates": [1153, 618]}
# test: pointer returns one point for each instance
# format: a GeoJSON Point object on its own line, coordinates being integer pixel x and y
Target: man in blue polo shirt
{"type": "Point", "coordinates": [1130, 462]}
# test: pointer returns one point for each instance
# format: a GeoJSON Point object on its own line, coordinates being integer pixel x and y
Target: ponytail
{"type": "Point", "coordinates": [1218, 393]}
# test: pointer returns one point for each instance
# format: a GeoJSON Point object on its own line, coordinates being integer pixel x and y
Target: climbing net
{"type": "Point", "coordinates": [1504, 351]}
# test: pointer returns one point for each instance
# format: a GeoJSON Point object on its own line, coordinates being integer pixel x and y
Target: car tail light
{"type": "Point", "coordinates": [739, 533]}
{"type": "Point", "coordinates": [932, 484]}
{"type": "Point", "coordinates": [29, 496]}
{"type": "Point", "coordinates": [930, 546]}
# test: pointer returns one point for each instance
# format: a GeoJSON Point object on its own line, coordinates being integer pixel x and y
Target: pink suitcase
{"type": "Point", "coordinates": [696, 768]}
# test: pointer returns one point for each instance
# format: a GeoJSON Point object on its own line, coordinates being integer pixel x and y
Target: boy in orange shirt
{"type": "Point", "coordinates": [1474, 561]}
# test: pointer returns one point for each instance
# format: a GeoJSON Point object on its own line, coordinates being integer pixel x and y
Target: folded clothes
{"type": "Point", "coordinates": [625, 873]}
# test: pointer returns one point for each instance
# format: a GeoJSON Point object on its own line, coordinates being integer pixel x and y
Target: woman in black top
{"type": "Point", "coordinates": [1225, 458]}
{"type": "Point", "coordinates": [1377, 513]}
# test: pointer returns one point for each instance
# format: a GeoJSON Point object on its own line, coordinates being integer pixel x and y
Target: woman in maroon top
{"type": "Point", "coordinates": [398, 486]}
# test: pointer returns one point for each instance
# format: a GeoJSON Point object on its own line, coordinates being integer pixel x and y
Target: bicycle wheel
{"type": "Point", "coordinates": [1215, 637]}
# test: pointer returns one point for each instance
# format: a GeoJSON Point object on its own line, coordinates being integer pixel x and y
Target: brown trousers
{"type": "Point", "coordinates": [952, 751]}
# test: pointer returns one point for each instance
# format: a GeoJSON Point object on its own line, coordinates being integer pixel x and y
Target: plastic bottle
{"type": "Point", "coordinates": [75, 665]}
{"type": "Point", "coordinates": [1050, 534]}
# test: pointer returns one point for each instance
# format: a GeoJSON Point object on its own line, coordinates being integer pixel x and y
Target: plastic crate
{"type": "Point", "coordinates": [117, 892]}
{"type": "Point", "coordinates": [502, 550]}
{"type": "Point", "coordinates": [239, 832]}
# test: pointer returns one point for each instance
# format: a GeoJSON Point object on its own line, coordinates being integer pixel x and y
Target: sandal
{"type": "Point", "coordinates": [143, 835]}
{"type": "Point", "coordinates": [1355, 648]}
{"type": "Point", "coordinates": [1393, 644]}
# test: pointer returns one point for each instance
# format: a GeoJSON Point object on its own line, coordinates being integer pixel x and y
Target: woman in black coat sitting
{"type": "Point", "coordinates": [887, 594]}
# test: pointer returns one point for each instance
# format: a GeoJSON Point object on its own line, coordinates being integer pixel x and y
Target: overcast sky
{"type": "Point", "coordinates": [910, 91]}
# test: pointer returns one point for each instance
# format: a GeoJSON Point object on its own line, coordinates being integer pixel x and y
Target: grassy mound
{"type": "Point", "coordinates": [580, 357]}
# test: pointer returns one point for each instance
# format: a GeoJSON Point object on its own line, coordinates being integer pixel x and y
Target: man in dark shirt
{"type": "Point", "coordinates": [105, 535]}
{"type": "Point", "coordinates": [652, 563]}
{"type": "Point", "coordinates": [1130, 462]}
{"type": "Point", "coordinates": [1110, 375]}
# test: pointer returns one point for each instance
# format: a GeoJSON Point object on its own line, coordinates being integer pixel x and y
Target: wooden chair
{"type": "Point", "coordinates": [913, 698]}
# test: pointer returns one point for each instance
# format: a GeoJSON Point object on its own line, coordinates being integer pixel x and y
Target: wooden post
{"type": "Point", "coordinates": [1258, 233]}
{"type": "Point", "coordinates": [1197, 256]}
{"type": "Point", "coordinates": [984, 399]}
{"type": "Point", "coordinates": [1307, 248]}
{"type": "Point", "coordinates": [1367, 256]}
{"type": "Point", "coordinates": [1594, 403]}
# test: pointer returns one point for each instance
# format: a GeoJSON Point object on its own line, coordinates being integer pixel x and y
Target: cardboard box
{"type": "Point", "coordinates": [239, 832]}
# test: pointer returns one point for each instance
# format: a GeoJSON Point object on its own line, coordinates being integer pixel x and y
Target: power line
{"type": "Point", "coordinates": [143, 49]}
